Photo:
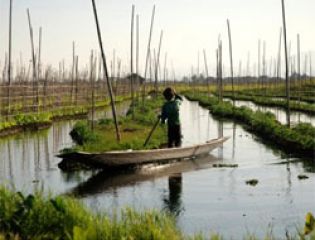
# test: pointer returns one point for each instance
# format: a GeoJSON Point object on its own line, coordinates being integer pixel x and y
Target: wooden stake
{"type": "Point", "coordinates": [9, 61]}
{"type": "Point", "coordinates": [137, 54]}
{"type": "Point", "coordinates": [259, 61]}
{"type": "Point", "coordinates": [207, 72]}
{"type": "Point", "coordinates": [73, 70]}
{"type": "Point", "coordinates": [106, 72]}
{"type": "Point", "coordinates": [231, 58]}
{"type": "Point", "coordinates": [310, 68]}
{"type": "Point", "coordinates": [279, 58]}
{"type": "Point", "coordinates": [158, 64]}
{"type": "Point", "coordinates": [76, 79]}
{"type": "Point", "coordinates": [287, 86]}
{"type": "Point", "coordinates": [299, 66]}
{"type": "Point", "coordinates": [164, 71]}
{"type": "Point", "coordinates": [131, 61]}
{"type": "Point", "coordinates": [33, 59]}
{"type": "Point", "coordinates": [148, 57]}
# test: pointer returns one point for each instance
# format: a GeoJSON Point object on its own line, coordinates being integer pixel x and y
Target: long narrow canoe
{"type": "Point", "coordinates": [130, 157]}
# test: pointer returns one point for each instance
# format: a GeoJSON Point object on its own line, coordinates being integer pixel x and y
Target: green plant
{"type": "Point", "coordinates": [82, 133]}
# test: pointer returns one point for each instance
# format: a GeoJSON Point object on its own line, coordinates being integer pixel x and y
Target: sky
{"type": "Point", "coordinates": [189, 26]}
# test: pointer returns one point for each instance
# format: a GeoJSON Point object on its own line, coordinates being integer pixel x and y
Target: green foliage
{"type": "Point", "coordinates": [28, 119]}
{"type": "Point", "coordinates": [299, 139]}
{"type": "Point", "coordinates": [44, 217]}
{"type": "Point", "coordinates": [271, 102]}
{"type": "Point", "coordinates": [82, 133]}
{"type": "Point", "coordinates": [134, 129]}
{"type": "Point", "coordinates": [39, 217]}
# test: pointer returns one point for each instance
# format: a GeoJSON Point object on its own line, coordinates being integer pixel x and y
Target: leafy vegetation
{"type": "Point", "coordinates": [299, 139]}
{"type": "Point", "coordinates": [45, 217]}
{"type": "Point", "coordinates": [35, 120]}
{"type": "Point", "coordinates": [134, 128]}
{"type": "Point", "coordinates": [39, 217]}
{"type": "Point", "coordinates": [281, 103]}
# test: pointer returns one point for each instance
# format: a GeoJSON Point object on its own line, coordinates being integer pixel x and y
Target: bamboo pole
{"type": "Point", "coordinates": [39, 54]}
{"type": "Point", "coordinates": [164, 70]}
{"type": "Point", "coordinates": [148, 57]}
{"type": "Point", "coordinates": [33, 59]}
{"type": "Point", "coordinates": [157, 64]}
{"type": "Point", "coordinates": [310, 56]}
{"type": "Point", "coordinates": [298, 63]}
{"type": "Point", "coordinates": [131, 61]}
{"type": "Point", "coordinates": [39, 65]}
{"type": "Point", "coordinates": [76, 80]}
{"type": "Point", "coordinates": [45, 88]}
{"type": "Point", "coordinates": [279, 58]}
{"type": "Point", "coordinates": [220, 70]}
{"type": "Point", "coordinates": [92, 86]}
{"type": "Point", "coordinates": [106, 72]}
{"type": "Point", "coordinates": [207, 72]}
{"type": "Point", "coordinates": [73, 71]}
{"type": "Point", "coordinates": [137, 55]}
{"type": "Point", "coordinates": [231, 58]}
{"type": "Point", "coordinates": [305, 72]}
{"type": "Point", "coordinates": [287, 86]}
{"type": "Point", "coordinates": [9, 61]}
{"type": "Point", "coordinates": [259, 62]}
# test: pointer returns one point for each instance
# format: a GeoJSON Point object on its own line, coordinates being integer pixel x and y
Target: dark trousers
{"type": "Point", "coordinates": [174, 136]}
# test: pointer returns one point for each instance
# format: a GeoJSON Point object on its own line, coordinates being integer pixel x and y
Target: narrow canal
{"type": "Point", "coordinates": [280, 114]}
{"type": "Point", "coordinates": [202, 198]}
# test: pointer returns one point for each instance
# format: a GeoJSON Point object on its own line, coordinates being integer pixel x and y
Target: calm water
{"type": "Point", "coordinates": [203, 198]}
{"type": "Point", "coordinates": [281, 116]}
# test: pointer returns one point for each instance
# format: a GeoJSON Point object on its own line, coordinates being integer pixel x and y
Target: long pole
{"type": "Point", "coordinates": [259, 62]}
{"type": "Point", "coordinates": [279, 58]}
{"type": "Point", "coordinates": [131, 61]}
{"type": "Point", "coordinates": [299, 65]}
{"type": "Point", "coordinates": [157, 64]}
{"type": "Point", "coordinates": [33, 55]}
{"type": "Point", "coordinates": [10, 51]}
{"type": "Point", "coordinates": [106, 72]}
{"type": "Point", "coordinates": [92, 86]}
{"type": "Point", "coordinates": [287, 85]}
{"type": "Point", "coordinates": [231, 58]}
{"type": "Point", "coordinates": [137, 55]}
{"type": "Point", "coordinates": [165, 63]}
{"type": "Point", "coordinates": [310, 68]}
{"type": "Point", "coordinates": [39, 65]}
{"type": "Point", "coordinates": [73, 71]}
{"type": "Point", "coordinates": [148, 54]}
{"type": "Point", "coordinates": [207, 72]}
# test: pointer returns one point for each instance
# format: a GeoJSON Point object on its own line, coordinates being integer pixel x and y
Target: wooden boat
{"type": "Point", "coordinates": [134, 157]}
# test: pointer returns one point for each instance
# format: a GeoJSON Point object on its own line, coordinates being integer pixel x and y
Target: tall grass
{"type": "Point", "coordinates": [39, 217]}
{"type": "Point", "coordinates": [44, 217]}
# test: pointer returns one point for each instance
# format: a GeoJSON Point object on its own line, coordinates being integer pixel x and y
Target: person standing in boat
{"type": "Point", "coordinates": [170, 112]}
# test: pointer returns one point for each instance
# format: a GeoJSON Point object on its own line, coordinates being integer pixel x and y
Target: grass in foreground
{"type": "Point", "coordinates": [39, 217]}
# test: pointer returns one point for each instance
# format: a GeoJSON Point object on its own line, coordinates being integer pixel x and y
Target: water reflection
{"type": "Point", "coordinates": [281, 115]}
{"type": "Point", "coordinates": [28, 159]}
{"type": "Point", "coordinates": [172, 201]}
{"type": "Point", "coordinates": [108, 181]}
{"type": "Point", "coordinates": [202, 197]}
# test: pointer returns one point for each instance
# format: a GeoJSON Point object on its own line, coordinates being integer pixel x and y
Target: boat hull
{"type": "Point", "coordinates": [122, 158]}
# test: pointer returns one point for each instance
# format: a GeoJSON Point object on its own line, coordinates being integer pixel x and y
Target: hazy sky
{"type": "Point", "coordinates": [189, 26]}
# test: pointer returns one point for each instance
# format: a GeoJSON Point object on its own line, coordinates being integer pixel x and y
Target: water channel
{"type": "Point", "coordinates": [280, 114]}
{"type": "Point", "coordinates": [202, 198]}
